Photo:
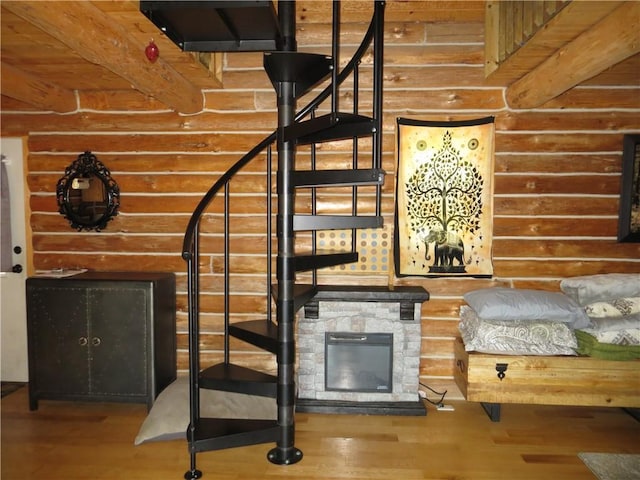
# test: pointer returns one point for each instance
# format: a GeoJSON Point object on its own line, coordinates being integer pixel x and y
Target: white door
{"type": "Point", "coordinates": [13, 316]}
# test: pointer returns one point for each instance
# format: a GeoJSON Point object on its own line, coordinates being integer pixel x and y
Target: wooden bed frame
{"type": "Point", "coordinates": [547, 380]}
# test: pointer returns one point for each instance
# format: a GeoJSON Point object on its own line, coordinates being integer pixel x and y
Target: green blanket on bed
{"type": "Point", "coordinates": [589, 346]}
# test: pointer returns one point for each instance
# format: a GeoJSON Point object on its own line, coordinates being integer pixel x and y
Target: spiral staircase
{"type": "Point", "coordinates": [255, 26]}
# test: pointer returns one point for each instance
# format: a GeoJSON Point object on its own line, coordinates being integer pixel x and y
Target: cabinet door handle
{"type": "Point", "coordinates": [82, 341]}
{"type": "Point", "coordinates": [95, 341]}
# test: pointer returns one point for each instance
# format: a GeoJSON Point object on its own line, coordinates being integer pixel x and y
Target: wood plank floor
{"type": "Point", "coordinates": [64, 440]}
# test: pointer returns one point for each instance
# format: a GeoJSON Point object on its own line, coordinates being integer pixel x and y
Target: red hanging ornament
{"type": "Point", "coordinates": [152, 51]}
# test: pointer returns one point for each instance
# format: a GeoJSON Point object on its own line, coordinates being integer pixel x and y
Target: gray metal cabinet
{"type": "Point", "coordinates": [101, 336]}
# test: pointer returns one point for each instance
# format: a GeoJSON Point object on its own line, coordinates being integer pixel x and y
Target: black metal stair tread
{"type": "Point", "coordinates": [220, 433]}
{"type": "Point", "coordinates": [335, 222]}
{"type": "Point", "coordinates": [302, 293]}
{"type": "Point", "coordinates": [323, 260]}
{"type": "Point", "coordinates": [235, 378]}
{"type": "Point", "coordinates": [217, 26]}
{"type": "Point", "coordinates": [338, 178]}
{"type": "Point", "coordinates": [261, 333]}
{"type": "Point", "coordinates": [305, 70]}
{"type": "Point", "coordinates": [330, 127]}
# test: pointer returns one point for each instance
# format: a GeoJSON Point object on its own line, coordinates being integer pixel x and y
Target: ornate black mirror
{"type": "Point", "coordinates": [87, 195]}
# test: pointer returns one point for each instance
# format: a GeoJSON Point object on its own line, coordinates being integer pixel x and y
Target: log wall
{"type": "Point", "coordinates": [557, 177]}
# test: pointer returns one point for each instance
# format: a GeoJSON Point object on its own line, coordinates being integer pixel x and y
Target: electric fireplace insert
{"type": "Point", "coordinates": [358, 362]}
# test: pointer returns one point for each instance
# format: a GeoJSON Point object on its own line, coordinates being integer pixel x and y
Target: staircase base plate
{"type": "Point", "coordinates": [281, 456]}
{"type": "Point", "coordinates": [192, 475]}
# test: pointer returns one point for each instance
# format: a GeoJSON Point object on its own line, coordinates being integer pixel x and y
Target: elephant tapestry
{"type": "Point", "coordinates": [444, 198]}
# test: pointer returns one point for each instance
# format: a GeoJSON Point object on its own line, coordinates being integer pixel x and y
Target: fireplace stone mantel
{"type": "Point", "coordinates": [361, 309]}
{"type": "Point", "coordinates": [407, 297]}
{"type": "Point", "coordinates": [370, 293]}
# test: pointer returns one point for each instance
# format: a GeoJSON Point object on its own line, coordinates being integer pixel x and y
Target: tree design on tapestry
{"type": "Point", "coordinates": [444, 201]}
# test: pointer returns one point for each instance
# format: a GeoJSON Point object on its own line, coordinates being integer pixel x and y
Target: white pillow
{"type": "Point", "coordinates": [513, 304]}
{"type": "Point", "coordinates": [169, 416]}
{"type": "Point", "coordinates": [630, 336]}
{"type": "Point", "coordinates": [598, 288]}
{"type": "Point", "coordinates": [619, 307]}
{"type": "Point", "coordinates": [610, 324]}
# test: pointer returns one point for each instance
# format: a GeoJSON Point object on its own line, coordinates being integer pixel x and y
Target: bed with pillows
{"type": "Point", "coordinates": [579, 346]}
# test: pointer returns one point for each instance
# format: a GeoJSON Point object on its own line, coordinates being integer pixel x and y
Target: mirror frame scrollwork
{"type": "Point", "coordinates": [87, 166]}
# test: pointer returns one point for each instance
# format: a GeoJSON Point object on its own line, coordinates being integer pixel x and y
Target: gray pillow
{"type": "Point", "coordinates": [169, 416]}
{"type": "Point", "coordinates": [513, 304]}
{"type": "Point", "coordinates": [601, 288]}
{"type": "Point", "coordinates": [515, 337]}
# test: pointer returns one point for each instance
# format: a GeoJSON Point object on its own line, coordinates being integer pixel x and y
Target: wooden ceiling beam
{"type": "Point", "coordinates": [566, 25]}
{"type": "Point", "coordinates": [93, 35]}
{"type": "Point", "coordinates": [607, 43]}
{"type": "Point", "coordinates": [35, 91]}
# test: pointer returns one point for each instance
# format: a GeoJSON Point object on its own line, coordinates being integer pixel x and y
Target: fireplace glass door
{"type": "Point", "coordinates": [358, 362]}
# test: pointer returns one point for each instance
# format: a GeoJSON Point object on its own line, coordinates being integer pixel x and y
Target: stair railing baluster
{"type": "Point", "coordinates": [354, 155]}
{"type": "Point", "coordinates": [314, 209]}
{"type": "Point", "coordinates": [378, 59]}
{"type": "Point", "coordinates": [227, 188]}
{"type": "Point", "coordinates": [193, 289]}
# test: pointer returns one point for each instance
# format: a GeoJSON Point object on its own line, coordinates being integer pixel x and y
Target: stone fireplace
{"type": "Point", "coordinates": [359, 351]}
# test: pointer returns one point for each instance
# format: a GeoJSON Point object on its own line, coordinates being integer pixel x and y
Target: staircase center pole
{"type": "Point", "coordinates": [285, 452]}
